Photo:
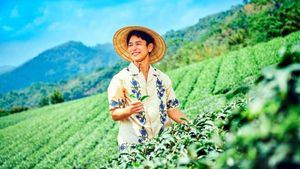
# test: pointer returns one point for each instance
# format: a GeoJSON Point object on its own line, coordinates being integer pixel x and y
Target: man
{"type": "Point", "coordinates": [140, 96]}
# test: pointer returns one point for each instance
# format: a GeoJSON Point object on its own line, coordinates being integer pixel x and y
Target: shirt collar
{"type": "Point", "coordinates": [134, 70]}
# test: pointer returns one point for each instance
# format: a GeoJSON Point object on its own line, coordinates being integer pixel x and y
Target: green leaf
{"type": "Point", "coordinates": [183, 119]}
{"type": "Point", "coordinates": [132, 96]}
{"type": "Point", "coordinates": [144, 97]}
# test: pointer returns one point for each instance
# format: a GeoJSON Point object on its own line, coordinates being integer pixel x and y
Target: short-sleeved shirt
{"type": "Point", "coordinates": [130, 85]}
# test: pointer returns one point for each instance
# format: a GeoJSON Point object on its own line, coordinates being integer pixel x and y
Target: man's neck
{"type": "Point", "coordinates": [143, 66]}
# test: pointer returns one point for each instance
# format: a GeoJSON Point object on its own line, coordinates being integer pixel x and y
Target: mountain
{"type": "Point", "coordinates": [81, 134]}
{"type": "Point", "coordinates": [96, 82]}
{"type": "Point", "coordinates": [59, 63]}
{"type": "Point", "coordinates": [243, 25]}
{"type": "Point", "coordinates": [82, 85]}
{"type": "Point", "coordinates": [212, 36]}
{"type": "Point", "coordinates": [199, 31]}
{"type": "Point", "coordinates": [204, 29]}
{"type": "Point", "coordinates": [6, 68]}
{"type": "Point", "coordinates": [77, 87]}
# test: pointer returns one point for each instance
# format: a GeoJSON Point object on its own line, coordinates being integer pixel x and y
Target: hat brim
{"type": "Point", "coordinates": [120, 43]}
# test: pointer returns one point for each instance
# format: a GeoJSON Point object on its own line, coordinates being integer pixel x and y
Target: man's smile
{"type": "Point", "coordinates": [135, 53]}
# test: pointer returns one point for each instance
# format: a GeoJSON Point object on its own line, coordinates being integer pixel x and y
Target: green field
{"type": "Point", "coordinates": [81, 133]}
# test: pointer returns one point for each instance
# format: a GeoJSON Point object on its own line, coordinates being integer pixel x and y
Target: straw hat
{"type": "Point", "coordinates": [120, 44]}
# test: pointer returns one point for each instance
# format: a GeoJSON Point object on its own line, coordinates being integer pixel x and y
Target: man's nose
{"type": "Point", "coordinates": [134, 47]}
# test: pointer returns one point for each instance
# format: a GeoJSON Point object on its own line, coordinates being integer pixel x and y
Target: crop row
{"type": "Point", "coordinates": [32, 150]}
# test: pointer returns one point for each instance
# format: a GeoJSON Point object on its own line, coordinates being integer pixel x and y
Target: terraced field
{"type": "Point", "coordinates": [80, 133]}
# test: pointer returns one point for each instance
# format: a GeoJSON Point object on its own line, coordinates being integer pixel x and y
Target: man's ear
{"type": "Point", "coordinates": [150, 47]}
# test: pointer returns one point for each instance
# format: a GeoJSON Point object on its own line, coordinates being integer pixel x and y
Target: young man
{"type": "Point", "coordinates": [140, 96]}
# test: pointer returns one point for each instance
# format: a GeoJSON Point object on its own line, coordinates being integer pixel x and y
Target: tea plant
{"type": "Point", "coordinates": [261, 134]}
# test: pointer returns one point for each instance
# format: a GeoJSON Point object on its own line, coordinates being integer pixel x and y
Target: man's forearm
{"type": "Point", "coordinates": [120, 114]}
{"type": "Point", "coordinates": [123, 113]}
{"type": "Point", "coordinates": [176, 115]}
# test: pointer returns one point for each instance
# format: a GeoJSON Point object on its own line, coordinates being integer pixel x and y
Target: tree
{"type": "Point", "coordinates": [44, 101]}
{"type": "Point", "coordinates": [17, 109]}
{"type": "Point", "coordinates": [56, 97]}
{"type": "Point", "coordinates": [3, 112]}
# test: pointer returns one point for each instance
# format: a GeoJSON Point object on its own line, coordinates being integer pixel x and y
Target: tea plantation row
{"type": "Point", "coordinates": [81, 133]}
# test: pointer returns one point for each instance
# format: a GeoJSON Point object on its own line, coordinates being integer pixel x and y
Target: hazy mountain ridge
{"type": "Point", "coordinates": [6, 68]}
{"type": "Point", "coordinates": [77, 87]}
{"type": "Point", "coordinates": [212, 36]}
{"type": "Point", "coordinates": [59, 63]}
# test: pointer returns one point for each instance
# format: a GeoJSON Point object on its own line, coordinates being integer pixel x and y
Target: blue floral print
{"type": "Point", "coordinates": [141, 117]}
{"type": "Point", "coordinates": [120, 103]}
{"type": "Point", "coordinates": [144, 135]}
{"type": "Point", "coordinates": [172, 103]}
{"type": "Point", "coordinates": [126, 146]}
{"type": "Point", "coordinates": [160, 93]}
{"type": "Point", "coordinates": [136, 89]}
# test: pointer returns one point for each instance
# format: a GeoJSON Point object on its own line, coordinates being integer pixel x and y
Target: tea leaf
{"type": "Point", "coordinates": [144, 97]}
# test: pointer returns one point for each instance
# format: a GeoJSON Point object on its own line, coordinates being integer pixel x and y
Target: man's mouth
{"type": "Point", "coordinates": [135, 53]}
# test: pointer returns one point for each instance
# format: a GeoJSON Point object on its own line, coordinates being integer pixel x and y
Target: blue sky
{"type": "Point", "coordinates": [29, 27]}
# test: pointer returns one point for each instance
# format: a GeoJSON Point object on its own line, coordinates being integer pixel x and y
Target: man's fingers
{"type": "Point", "coordinates": [138, 109]}
{"type": "Point", "coordinates": [136, 103]}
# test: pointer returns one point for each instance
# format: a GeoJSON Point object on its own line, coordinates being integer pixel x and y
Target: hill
{"type": "Point", "coordinates": [59, 63]}
{"type": "Point", "coordinates": [212, 36]}
{"type": "Point", "coordinates": [87, 83]}
{"type": "Point", "coordinates": [244, 25]}
{"type": "Point", "coordinates": [77, 87]}
{"type": "Point", "coordinates": [81, 134]}
{"type": "Point", "coordinates": [6, 68]}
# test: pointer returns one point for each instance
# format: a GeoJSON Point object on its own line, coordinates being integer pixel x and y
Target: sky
{"type": "Point", "coordinates": [28, 27]}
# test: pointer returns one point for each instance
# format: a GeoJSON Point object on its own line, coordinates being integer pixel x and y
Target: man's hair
{"type": "Point", "coordinates": [143, 35]}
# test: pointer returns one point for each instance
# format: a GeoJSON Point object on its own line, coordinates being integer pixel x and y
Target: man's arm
{"type": "Point", "coordinates": [119, 114]}
{"type": "Point", "coordinates": [175, 115]}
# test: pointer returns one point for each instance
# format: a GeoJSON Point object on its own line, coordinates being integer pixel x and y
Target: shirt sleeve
{"type": "Point", "coordinates": [115, 93]}
{"type": "Point", "coordinates": [172, 101]}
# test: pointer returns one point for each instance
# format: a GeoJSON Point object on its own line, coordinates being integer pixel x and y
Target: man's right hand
{"type": "Point", "coordinates": [123, 113]}
{"type": "Point", "coordinates": [135, 107]}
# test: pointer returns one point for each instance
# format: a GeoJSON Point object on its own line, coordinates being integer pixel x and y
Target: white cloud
{"type": "Point", "coordinates": [54, 26]}
{"type": "Point", "coordinates": [14, 12]}
{"type": "Point", "coordinates": [38, 21]}
{"type": "Point", "coordinates": [63, 21]}
{"type": "Point", "coordinates": [79, 13]}
{"type": "Point", "coordinates": [6, 28]}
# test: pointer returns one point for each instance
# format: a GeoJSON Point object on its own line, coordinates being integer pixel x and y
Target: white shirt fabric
{"type": "Point", "coordinates": [145, 125]}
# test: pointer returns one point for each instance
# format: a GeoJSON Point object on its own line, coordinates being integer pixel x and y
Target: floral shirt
{"type": "Point", "coordinates": [130, 85]}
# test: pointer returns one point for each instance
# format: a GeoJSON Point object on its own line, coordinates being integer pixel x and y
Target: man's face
{"type": "Point", "coordinates": [138, 49]}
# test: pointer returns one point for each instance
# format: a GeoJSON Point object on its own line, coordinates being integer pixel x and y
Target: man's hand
{"type": "Point", "coordinates": [176, 115]}
{"type": "Point", "coordinates": [119, 114]}
{"type": "Point", "coordinates": [135, 107]}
